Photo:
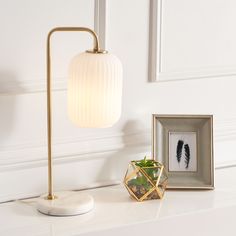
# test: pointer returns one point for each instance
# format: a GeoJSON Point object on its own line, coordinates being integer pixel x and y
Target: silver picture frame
{"type": "Point", "coordinates": [184, 145]}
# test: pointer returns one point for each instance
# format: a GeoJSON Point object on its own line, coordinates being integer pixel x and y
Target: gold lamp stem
{"type": "Point", "coordinates": [96, 49]}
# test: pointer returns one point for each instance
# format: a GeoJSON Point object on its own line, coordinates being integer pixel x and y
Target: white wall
{"type": "Point", "coordinates": [85, 156]}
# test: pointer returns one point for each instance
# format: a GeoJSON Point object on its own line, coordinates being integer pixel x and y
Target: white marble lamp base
{"type": "Point", "coordinates": [66, 204]}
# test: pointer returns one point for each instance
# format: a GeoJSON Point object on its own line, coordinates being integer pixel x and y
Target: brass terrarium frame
{"type": "Point", "coordinates": [155, 185]}
{"type": "Point", "coordinates": [96, 49]}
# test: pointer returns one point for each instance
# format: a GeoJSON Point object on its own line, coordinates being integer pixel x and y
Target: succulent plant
{"type": "Point", "coordinates": [146, 179]}
{"type": "Point", "coordinates": [141, 180]}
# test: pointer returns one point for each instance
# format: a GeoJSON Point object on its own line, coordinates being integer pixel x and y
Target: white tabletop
{"type": "Point", "coordinates": [209, 212]}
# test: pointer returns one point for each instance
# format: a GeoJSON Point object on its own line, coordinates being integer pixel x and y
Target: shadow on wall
{"type": "Point", "coordinates": [9, 88]}
{"type": "Point", "coordinates": [136, 144]}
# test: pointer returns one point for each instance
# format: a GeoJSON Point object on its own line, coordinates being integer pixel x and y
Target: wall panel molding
{"type": "Point", "coordinates": [31, 86]}
{"type": "Point", "coordinates": [37, 85]}
{"type": "Point", "coordinates": [225, 130]}
{"type": "Point", "coordinates": [82, 163]}
{"type": "Point", "coordinates": [100, 17]}
{"type": "Point", "coordinates": [155, 16]}
{"type": "Point", "coordinates": [156, 74]}
{"type": "Point", "coordinates": [28, 155]}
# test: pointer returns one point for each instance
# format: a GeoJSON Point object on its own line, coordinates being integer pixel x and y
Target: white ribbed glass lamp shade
{"type": "Point", "coordinates": [95, 90]}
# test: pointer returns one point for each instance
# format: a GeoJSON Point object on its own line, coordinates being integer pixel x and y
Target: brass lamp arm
{"type": "Point", "coordinates": [71, 29]}
{"type": "Point", "coordinates": [96, 49]}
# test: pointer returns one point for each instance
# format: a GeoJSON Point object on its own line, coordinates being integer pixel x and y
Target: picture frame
{"type": "Point", "coordinates": [184, 145]}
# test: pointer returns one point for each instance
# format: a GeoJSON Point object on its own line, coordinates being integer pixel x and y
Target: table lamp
{"type": "Point", "coordinates": [94, 101]}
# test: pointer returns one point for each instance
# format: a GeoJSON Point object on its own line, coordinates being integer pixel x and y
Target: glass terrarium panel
{"type": "Point", "coordinates": [131, 170]}
{"type": "Point", "coordinates": [139, 184]}
{"type": "Point", "coordinates": [153, 173]}
{"type": "Point", "coordinates": [163, 177]}
{"type": "Point", "coordinates": [162, 187]}
{"type": "Point", "coordinates": [153, 195]}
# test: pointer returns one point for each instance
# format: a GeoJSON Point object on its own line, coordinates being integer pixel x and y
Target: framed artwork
{"type": "Point", "coordinates": [182, 151]}
{"type": "Point", "coordinates": [184, 145]}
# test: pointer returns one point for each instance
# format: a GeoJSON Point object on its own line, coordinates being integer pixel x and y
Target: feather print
{"type": "Point", "coordinates": [187, 155]}
{"type": "Point", "coordinates": [179, 150]}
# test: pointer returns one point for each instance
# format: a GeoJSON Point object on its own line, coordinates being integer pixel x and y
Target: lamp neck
{"type": "Point", "coordinates": [96, 48]}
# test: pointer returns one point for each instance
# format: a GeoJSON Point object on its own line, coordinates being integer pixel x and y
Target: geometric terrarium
{"type": "Point", "coordinates": [146, 179]}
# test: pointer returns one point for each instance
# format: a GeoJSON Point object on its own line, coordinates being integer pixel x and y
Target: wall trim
{"type": "Point", "coordinates": [32, 86]}
{"type": "Point", "coordinates": [38, 85]}
{"type": "Point", "coordinates": [155, 16]}
{"type": "Point", "coordinates": [155, 54]}
{"type": "Point", "coordinates": [225, 164]}
{"type": "Point", "coordinates": [100, 15]}
{"type": "Point", "coordinates": [28, 155]}
{"type": "Point", "coordinates": [26, 162]}
{"type": "Point", "coordinates": [66, 150]}
{"type": "Point", "coordinates": [34, 194]}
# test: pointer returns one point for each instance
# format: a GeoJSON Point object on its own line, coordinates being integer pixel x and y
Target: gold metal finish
{"type": "Point", "coordinates": [50, 197]}
{"type": "Point", "coordinates": [100, 51]}
{"type": "Point", "coordinates": [96, 49]}
{"type": "Point", "coordinates": [156, 187]}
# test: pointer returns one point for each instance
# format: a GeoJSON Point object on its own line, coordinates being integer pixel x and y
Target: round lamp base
{"type": "Point", "coordinates": [66, 204]}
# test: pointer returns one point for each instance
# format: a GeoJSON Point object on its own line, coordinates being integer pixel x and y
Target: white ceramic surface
{"type": "Point", "coordinates": [66, 204]}
{"type": "Point", "coordinates": [205, 213]}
